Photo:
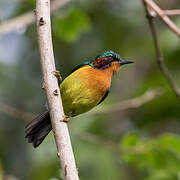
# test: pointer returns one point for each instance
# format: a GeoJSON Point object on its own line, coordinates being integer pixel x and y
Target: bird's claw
{"type": "Point", "coordinates": [58, 75]}
{"type": "Point", "coordinates": [66, 119]}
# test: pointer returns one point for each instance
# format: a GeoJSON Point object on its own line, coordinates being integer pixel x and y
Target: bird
{"type": "Point", "coordinates": [84, 88]}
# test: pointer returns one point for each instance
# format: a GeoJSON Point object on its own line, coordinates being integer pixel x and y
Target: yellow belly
{"type": "Point", "coordinates": [83, 89]}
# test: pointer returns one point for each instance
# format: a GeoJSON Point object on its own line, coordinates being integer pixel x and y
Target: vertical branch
{"type": "Point", "coordinates": [160, 59]}
{"type": "Point", "coordinates": [60, 128]}
{"type": "Point", "coordinates": [163, 16]}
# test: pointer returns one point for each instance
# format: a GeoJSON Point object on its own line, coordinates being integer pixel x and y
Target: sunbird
{"type": "Point", "coordinates": [86, 87]}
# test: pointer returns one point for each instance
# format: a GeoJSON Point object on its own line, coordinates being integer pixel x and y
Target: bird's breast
{"type": "Point", "coordinates": [84, 89]}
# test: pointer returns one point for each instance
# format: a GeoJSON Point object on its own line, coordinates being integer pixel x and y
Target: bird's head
{"type": "Point", "coordinates": [109, 60]}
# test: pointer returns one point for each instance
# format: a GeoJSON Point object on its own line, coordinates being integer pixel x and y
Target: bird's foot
{"type": "Point", "coordinates": [66, 119]}
{"type": "Point", "coordinates": [58, 76]}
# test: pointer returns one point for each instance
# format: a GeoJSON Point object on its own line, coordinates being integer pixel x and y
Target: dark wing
{"type": "Point", "coordinates": [104, 97]}
{"type": "Point", "coordinates": [79, 66]}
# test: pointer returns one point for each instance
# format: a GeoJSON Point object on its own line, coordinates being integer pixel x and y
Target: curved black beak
{"type": "Point", "coordinates": [122, 62]}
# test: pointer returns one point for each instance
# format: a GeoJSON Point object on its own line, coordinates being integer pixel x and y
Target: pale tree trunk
{"type": "Point", "coordinates": [50, 85]}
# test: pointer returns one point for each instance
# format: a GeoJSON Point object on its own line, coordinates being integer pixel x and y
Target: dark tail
{"type": "Point", "coordinates": [37, 129]}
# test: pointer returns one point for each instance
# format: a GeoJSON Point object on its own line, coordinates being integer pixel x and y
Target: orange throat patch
{"type": "Point", "coordinates": [111, 70]}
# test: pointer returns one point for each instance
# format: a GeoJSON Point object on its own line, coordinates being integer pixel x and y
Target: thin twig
{"type": "Point", "coordinates": [16, 113]}
{"type": "Point", "coordinates": [160, 59]}
{"type": "Point", "coordinates": [173, 12]}
{"type": "Point", "coordinates": [60, 128]}
{"type": "Point", "coordinates": [163, 16]}
{"type": "Point", "coordinates": [120, 106]}
{"type": "Point", "coordinates": [94, 139]}
{"type": "Point", "coordinates": [27, 19]}
{"type": "Point", "coordinates": [129, 104]}
{"type": "Point", "coordinates": [111, 145]}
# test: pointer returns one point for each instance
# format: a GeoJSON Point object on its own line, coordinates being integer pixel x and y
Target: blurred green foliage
{"type": "Point", "coordinates": [70, 26]}
{"type": "Point", "coordinates": [135, 144]}
{"type": "Point", "coordinates": [152, 158]}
